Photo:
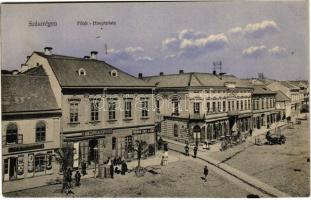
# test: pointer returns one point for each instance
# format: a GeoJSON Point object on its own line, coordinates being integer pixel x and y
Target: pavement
{"type": "Point", "coordinates": [205, 155]}
{"type": "Point", "coordinates": [56, 178]}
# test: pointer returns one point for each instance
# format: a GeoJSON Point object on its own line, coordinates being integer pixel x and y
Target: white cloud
{"type": "Point", "coordinates": [235, 31]}
{"type": "Point", "coordinates": [278, 52]}
{"type": "Point", "coordinates": [254, 51]}
{"type": "Point", "coordinates": [143, 58]}
{"type": "Point", "coordinates": [170, 43]}
{"type": "Point", "coordinates": [134, 49]}
{"type": "Point", "coordinates": [256, 30]}
{"type": "Point", "coordinates": [190, 34]}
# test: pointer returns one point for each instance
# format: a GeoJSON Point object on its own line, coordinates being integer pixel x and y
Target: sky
{"type": "Point", "coordinates": [247, 37]}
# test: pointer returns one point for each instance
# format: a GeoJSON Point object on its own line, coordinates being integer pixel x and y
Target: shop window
{"type": "Point", "coordinates": [40, 132]}
{"type": "Point", "coordinates": [175, 128]}
{"type": "Point", "coordinates": [40, 163]}
{"type": "Point", "coordinates": [12, 134]}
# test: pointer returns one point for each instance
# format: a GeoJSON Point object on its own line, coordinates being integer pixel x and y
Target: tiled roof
{"type": "Point", "coordinates": [193, 79]}
{"type": "Point", "coordinates": [289, 85]}
{"type": "Point", "coordinates": [97, 73]}
{"type": "Point", "coordinates": [22, 93]}
{"type": "Point", "coordinates": [280, 96]}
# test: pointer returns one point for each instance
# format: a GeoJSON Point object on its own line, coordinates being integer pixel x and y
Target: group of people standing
{"type": "Point", "coordinates": [195, 150]}
{"type": "Point", "coordinates": [67, 184]}
{"type": "Point", "coordinates": [113, 167]}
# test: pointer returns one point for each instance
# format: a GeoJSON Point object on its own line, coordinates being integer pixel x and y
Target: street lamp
{"type": "Point", "coordinates": [95, 151]}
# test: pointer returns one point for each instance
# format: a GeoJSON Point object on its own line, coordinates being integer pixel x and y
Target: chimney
{"type": "Point", "coordinates": [94, 55]}
{"type": "Point", "coordinates": [161, 73]}
{"type": "Point", "coordinates": [181, 71]}
{"type": "Point", "coordinates": [214, 72]}
{"type": "Point", "coordinates": [140, 75]}
{"type": "Point", "coordinates": [86, 57]}
{"type": "Point", "coordinates": [24, 67]}
{"type": "Point", "coordinates": [48, 51]}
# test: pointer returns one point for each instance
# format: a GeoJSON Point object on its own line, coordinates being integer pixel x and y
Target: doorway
{"type": "Point", "coordinates": [92, 153]}
{"type": "Point", "coordinates": [13, 168]}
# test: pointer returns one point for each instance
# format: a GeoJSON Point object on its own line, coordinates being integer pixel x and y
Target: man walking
{"type": "Point", "coordinates": [195, 150]}
{"type": "Point", "coordinates": [205, 172]}
{"type": "Point", "coordinates": [111, 170]}
{"type": "Point", "coordinates": [77, 178]}
{"type": "Point", "coordinates": [187, 150]}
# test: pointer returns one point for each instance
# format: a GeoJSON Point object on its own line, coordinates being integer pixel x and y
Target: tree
{"type": "Point", "coordinates": [141, 147]}
{"type": "Point", "coordinates": [64, 157]}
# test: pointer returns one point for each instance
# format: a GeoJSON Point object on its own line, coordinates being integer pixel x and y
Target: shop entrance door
{"type": "Point", "coordinates": [13, 168]}
{"type": "Point", "coordinates": [92, 153]}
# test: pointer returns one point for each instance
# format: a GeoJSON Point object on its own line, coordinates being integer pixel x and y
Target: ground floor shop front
{"type": "Point", "coordinates": [22, 165]}
{"type": "Point", "coordinates": [97, 147]}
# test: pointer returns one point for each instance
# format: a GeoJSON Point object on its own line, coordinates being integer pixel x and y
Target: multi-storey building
{"type": "Point", "coordinates": [104, 110]}
{"type": "Point", "coordinates": [283, 105]}
{"type": "Point", "coordinates": [30, 127]}
{"type": "Point", "coordinates": [290, 91]}
{"type": "Point", "coordinates": [264, 104]}
{"type": "Point", "coordinates": [196, 107]}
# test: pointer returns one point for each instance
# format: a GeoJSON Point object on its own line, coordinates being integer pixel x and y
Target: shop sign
{"type": "Point", "coordinates": [25, 148]}
{"type": "Point", "coordinates": [97, 132]}
{"type": "Point", "coordinates": [142, 131]}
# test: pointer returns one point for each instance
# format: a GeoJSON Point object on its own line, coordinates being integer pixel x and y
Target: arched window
{"type": "Point", "coordinates": [114, 73]}
{"type": "Point", "coordinates": [175, 130]}
{"type": "Point", "coordinates": [40, 132]}
{"type": "Point", "coordinates": [11, 134]}
{"type": "Point", "coordinates": [81, 72]}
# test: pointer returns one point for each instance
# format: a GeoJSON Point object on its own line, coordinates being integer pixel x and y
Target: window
{"type": "Point", "coordinates": [271, 102]}
{"type": "Point", "coordinates": [249, 104]}
{"type": "Point", "coordinates": [175, 130]}
{"type": "Point", "coordinates": [229, 106]}
{"type": "Point", "coordinates": [257, 104]}
{"type": "Point", "coordinates": [196, 107]}
{"type": "Point", "coordinates": [214, 106]}
{"type": "Point", "coordinates": [263, 104]}
{"type": "Point", "coordinates": [241, 104]}
{"type": "Point", "coordinates": [224, 106]}
{"type": "Point", "coordinates": [245, 105]}
{"type": "Point", "coordinates": [94, 110]}
{"type": "Point", "coordinates": [81, 72]}
{"type": "Point", "coordinates": [176, 107]}
{"type": "Point", "coordinates": [237, 105]}
{"type": "Point", "coordinates": [111, 110]}
{"type": "Point", "coordinates": [6, 166]}
{"type": "Point", "coordinates": [158, 105]}
{"type": "Point", "coordinates": [218, 106]}
{"type": "Point", "coordinates": [74, 112]}
{"type": "Point", "coordinates": [40, 132]}
{"type": "Point", "coordinates": [114, 73]}
{"type": "Point", "coordinates": [114, 143]}
{"type": "Point", "coordinates": [144, 106]}
{"type": "Point", "coordinates": [267, 103]}
{"type": "Point", "coordinates": [127, 109]}
{"type": "Point", "coordinates": [40, 163]}
{"type": "Point", "coordinates": [232, 103]}
{"type": "Point", "coordinates": [11, 134]}
{"type": "Point", "coordinates": [128, 143]}
{"type": "Point", "coordinates": [208, 107]}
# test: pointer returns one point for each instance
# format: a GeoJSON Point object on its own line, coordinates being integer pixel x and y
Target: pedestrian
{"type": "Point", "coordinates": [77, 178]}
{"type": "Point", "coordinates": [250, 132]}
{"type": "Point", "coordinates": [162, 161]}
{"type": "Point", "coordinates": [69, 177]}
{"type": "Point", "coordinates": [111, 171]}
{"type": "Point", "coordinates": [187, 150]}
{"type": "Point", "coordinates": [123, 168]}
{"type": "Point", "coordinates": [84, 168]}
{"type": "Point", "coordinates": [195, 150]}
{"type": "Point", "coordinates": [205, 173]}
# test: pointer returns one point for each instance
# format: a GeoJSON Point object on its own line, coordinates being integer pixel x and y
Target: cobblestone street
{"type": "Point", "coordinates": [179, 179]}
{"type": "Point", "coordinates": [283, 166]}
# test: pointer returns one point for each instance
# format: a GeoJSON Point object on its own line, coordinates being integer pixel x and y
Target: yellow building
{"type": "Point", "coordinates": [30, 127]}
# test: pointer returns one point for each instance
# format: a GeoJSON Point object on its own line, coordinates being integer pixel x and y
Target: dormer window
{"type": "Point", "coordinates": [81, 72]}
{"type": "Point", "coordinates": [114, 73]}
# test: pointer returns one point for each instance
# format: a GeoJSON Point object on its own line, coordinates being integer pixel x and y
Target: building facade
{"type": "Point", "coordinates": [198, 107]}
{"type": "Point", "coordinates": [104, 110]}
{"type": "Point", "coordinates": [30, 127]}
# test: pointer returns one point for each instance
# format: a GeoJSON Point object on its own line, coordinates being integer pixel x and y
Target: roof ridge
{"type": "Point", "coordinates": [198, 80]}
